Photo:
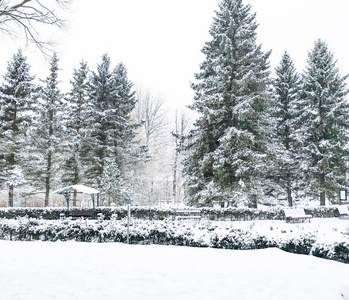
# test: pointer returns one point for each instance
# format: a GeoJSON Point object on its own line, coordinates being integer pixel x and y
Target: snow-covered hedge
{"type": "Point", "coordinates": [108, 212]}
{"type": "Point", "coordinates": [329, 241]}
{"type": "Point", "coordinates": [150, 213]}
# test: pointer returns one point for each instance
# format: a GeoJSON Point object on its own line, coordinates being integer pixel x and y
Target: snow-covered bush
{"type": "Point", "coordinates": [303, 238]}
{"type": "Point", "coordinates": [151, 213]}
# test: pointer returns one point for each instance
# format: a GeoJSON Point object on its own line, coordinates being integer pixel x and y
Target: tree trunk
{"type": "Point", "coordinates": [322, 192]}
{"type": "Point", "coordinates": [253, 202]}
{"type": "Point", "coordinates": [74, 198]}
{"type": "Point", "coordinates": [10, 195]}
{"type": "Point", "coordinates": [48, 179]}
{"type": "Point", "coordinates": [322, 198]}
{"type": "Point", "coordinates": [289, 197]}
{"type": "Point", "coordinates": [174, 186]}
{"type": "Point", "coordinates": [47, 192]}
{"type": "Point", "coordinates": [76, 178]}
{"type": "Point", "coordinates": [11, 162]}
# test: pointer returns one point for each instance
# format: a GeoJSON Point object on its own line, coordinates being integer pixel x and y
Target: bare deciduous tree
{"type": "Point", "coordinates": [27, 15]}
{"type": "Point", "coordinates": [182, 126]}
{"type": "Point", "coordinates": [150, 110]}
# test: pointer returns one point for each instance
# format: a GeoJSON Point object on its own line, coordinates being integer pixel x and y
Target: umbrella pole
{"type": "Point", "coordinates": [66, 195]}
{"type": "Point", "coordinates": [93, 206]}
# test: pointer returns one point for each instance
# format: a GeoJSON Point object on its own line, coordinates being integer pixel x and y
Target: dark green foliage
{"type": "Point", "coordinates": [46, 136]}
{"type": "Point", "coordinates": [325, 111]}
{"type": "Point", "coordinates": [227, 149]}
{"type": "Point", "coordinates": [147, 213]}
{"type": "Point", "coordinates": [16, 110]}
{"type": "Point", "coordinates": [111, 147]}
{"type": "Point", "coordinates": [78, 117]}
{"type": "Point", "coordinates": [286, 172]}
{"type": "Point", "coordinates": [342, 252]}
{"type": "Point", "coordinates": [300, 246]}
{"type": "Point", "coordinates": [166, 233]}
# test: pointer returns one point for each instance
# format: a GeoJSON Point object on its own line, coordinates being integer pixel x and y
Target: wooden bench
{"type": "Point", "coordinates": [343, 211]}
{"type": "Point", "coordinates": [188, 214]}
{"type": "Point", "coordinates": [81, 213]}
{"type": "Point", "coordinates": [295, 215]}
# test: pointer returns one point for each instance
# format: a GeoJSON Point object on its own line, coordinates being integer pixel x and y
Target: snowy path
{"type": "Point", "coordinates": [70, 270]}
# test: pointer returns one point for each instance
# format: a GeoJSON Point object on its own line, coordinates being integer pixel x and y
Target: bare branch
{"type": "Point", "coordinates": [28, 15]}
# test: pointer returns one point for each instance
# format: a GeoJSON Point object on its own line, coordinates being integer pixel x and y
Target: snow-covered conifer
{"type": "Point", "coordinates": [287, 170]}
{"type": "Point", "coordinates": [112, 133]}
{"type": "Point", "coordinates": [46, 136]}
{"type": "Point", "coordinates": [114, 187]}
{"type": "Point", "coordinates": [228, 147]}
{"type": "Point", "coordinates": [15, 119]}
{"type": "Point", "coordinates": [325, 112]}
{"type": "Point", "coordinates": [78, 115]}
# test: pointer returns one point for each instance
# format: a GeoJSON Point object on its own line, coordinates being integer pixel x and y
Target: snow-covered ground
{"type": "Point", "coordinates": [72, 270]}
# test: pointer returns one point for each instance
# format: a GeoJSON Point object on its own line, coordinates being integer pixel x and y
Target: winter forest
{"type": "Point", "coordinates": [259, 134]}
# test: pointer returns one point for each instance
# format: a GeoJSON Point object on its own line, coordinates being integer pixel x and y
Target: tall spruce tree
{"type": "Point", "coordinates": [15, 119]}
{"type": "Point", "coordinates": [112, 131]}
{"type": "Point", "coordinates": [78, 115]}
{"type": "Point", "coordinates": [325, 111]}
{"type": "Point", "coordinates": [46, 137]}
{"type": "Point", "coordinates": [229, 145]}
{"type": "Point", "coordinates": [287, 86]}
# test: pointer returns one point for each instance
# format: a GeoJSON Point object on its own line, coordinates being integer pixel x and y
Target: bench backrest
{"type": "Point", "coordinates": [188, 212]}
{"type": "Point", "coordinates": [82, 213]}
{"type": "Point", "coordinates": [294, 213]}
{"type": "Point", "coordinates": [343, 210]}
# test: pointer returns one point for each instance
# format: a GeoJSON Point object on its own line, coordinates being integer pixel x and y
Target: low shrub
{"type": "Point", "coordinates": [224, 235]}
{"type": "Point", "coordinates": [149, 213]}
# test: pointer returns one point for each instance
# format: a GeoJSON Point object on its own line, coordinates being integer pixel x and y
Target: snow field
{"type": "Point", "coordinates": [71, 270]}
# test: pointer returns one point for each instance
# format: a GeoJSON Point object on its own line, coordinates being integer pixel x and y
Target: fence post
{"type": "Point", "coordinates": [128, 222]}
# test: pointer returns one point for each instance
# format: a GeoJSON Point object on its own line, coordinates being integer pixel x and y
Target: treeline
{"type": "Point", "coordinates": [50, 139]}
{"type": "Point", "coordinates": [104, 132]}
{"type": "Point", "coordinates": [259, 136]}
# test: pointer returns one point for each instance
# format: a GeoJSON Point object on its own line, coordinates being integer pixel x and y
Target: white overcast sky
{"type": "Point", "coordinates": [160, 41]}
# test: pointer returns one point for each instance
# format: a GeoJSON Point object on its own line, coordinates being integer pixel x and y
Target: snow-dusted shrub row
{"type": "Point", "coordinates": [108, 212]}
{"type": "Point", "coordinates": [328, 241]}
{"type": "Point", "coordinates": [150, 213]}
{"type": "Point", "coordinates": [31, 212]}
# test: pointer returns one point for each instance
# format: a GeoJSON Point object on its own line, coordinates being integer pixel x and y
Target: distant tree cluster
{"type": "Point", "coordinates": [258, 136]}
{"type": "Point", "coordinates": [86, 136]}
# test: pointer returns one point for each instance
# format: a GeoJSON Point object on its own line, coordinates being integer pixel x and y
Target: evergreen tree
{"type": "Point", "coordinates": [46, 138]}
{"type": "Point", "coordinates": [15, 119]}
{"type": "Point", "coordinates": [325, 111]}
{"type": "Point", "coordinates": [228, 146]}
{"type": "Point", "coordinates": [78, 115]}
{"type": "Point", "coordinates": [288, 155]}
{"type": "Point", "coordinates": [112, 134]}
{"type": "Point", "coordinates": [114, 188]}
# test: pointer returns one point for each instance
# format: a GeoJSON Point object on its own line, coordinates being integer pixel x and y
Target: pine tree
{"type": "Point", "coordinates": [114, 188]}
{"type": "Point", "coordinates": [325, 111]}
{"type": "Point", "coordinates": [99, 91]}
{"type": "Point", "coordinates": [112, 134]}
{"type": "Point", "coordinates": [15, 119]}
{"type": "Point", "coordinates": [227, 158]}
{"type": "Point", "coordinates": [78, 115]}
{"type": "Point", "coordinates": [287, 86]}
{"type": "Point", "coordinates": [46, 137]}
